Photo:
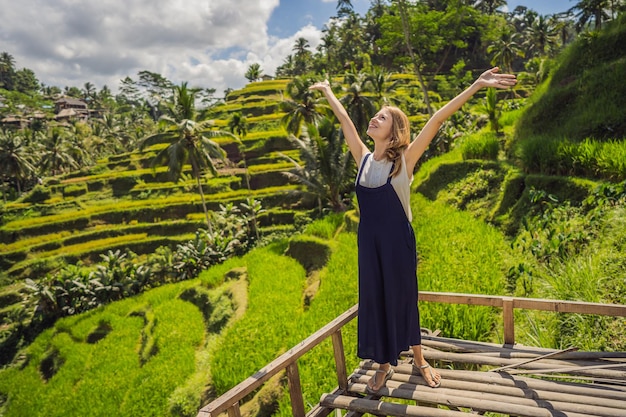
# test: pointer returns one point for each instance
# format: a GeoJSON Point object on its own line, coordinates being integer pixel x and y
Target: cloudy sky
{"type": "Point", "coordinates": [209, 43]}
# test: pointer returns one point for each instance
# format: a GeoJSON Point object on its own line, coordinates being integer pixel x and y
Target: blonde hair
{"type": "Point", "coordinates": [400, 138]}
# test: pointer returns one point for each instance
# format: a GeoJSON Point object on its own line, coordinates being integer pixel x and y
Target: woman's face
{"type": "Point", "coordinates": [380, 125]}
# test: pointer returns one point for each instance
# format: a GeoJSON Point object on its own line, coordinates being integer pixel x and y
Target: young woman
{"type": "Point", "coordinates": [388, 318]}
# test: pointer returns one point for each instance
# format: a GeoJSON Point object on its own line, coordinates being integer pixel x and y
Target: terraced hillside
{"type": "Point", "coordinates": [123, 203]}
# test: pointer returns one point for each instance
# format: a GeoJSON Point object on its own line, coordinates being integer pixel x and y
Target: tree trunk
{"type": "Point", "coordinates": [407, 39]}
{"type": "Point", "coordinates": [206, 212]}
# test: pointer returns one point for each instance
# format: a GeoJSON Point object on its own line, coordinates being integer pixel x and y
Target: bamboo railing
{"type": "Point", "coordinates": [229, 401]}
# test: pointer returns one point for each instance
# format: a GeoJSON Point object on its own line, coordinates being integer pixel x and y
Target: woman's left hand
{"type": "Point", "coordinates": [492, 78]}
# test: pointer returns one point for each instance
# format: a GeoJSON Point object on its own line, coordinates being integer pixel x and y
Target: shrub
{"type": "Point", "coordinates": [39, 194]}
{"type": "Point", "coordinates": [481, 146]}
{"type": "Point", "coordinates": [74, 190]}
{"type": "Point", "coordinates": [311, 252]}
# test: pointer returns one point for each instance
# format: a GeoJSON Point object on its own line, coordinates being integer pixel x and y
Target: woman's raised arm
{"type": "Point", "coordinates": [489, 78]}
{"type": "Point", "coordinates": [355, 144]}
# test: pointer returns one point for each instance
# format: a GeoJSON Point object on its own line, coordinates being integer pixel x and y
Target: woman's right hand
{"type": "Point", "coordinates": [320, 86]}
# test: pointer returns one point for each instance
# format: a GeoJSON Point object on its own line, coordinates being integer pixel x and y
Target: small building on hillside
{"type": "Point", "coordinates": [68, 108]}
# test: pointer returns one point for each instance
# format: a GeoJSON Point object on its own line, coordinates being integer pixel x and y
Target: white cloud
{"type": "Point", "coordinates": [209, 43]}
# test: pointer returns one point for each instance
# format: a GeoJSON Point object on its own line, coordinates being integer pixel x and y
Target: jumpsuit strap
{"type": "Point", "coordinates": [362, 165]}
{"type": "Point", "coordinates": [390, 171]}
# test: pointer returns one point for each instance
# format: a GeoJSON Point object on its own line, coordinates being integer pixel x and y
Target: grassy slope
{"type": "Point", "coordinates": [91, 378]}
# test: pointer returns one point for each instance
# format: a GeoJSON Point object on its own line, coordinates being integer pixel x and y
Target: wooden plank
{"type": "Point", "coordinates": [517, 351]}
{"type": "Point", "coordinates": [295, 390]}
{"type": "Point", "coordinates": [603, 393]}
{"type": "Point", "coordinates": [363, 405]}
{"type": "Point", "coordinates": [458, 298]}
{"type": "Point", "coordinates": [560, 306]}
{"type": "Point", "coordinates": [591, 369]}
{"type": "Point", "coordinates": [479, 401]}
{"type": "Point", "coordinates": [576, 370]}
{"type": "Point", "coordinates": [547, 355]}
{"type": "Point", "coordinates": [586, 403]}
{"type": "Point", "coordinates": [340, 360]}
{"type": "Point", "coordinates": [241, 390]}
{"type": "Point", "coordinates": [615, 310]}
{"type": "Point", "coordinates": [320, 411]}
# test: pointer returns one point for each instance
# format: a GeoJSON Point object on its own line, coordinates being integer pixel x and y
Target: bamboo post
{"type": "Point", "coordinates": [509, 321]}
{"type": "Point", "coordinates": [295, 390]}
{"type": "Point", "coordinates": [234, 411]}
{"type": "Point", "coordinates": [340, 360]}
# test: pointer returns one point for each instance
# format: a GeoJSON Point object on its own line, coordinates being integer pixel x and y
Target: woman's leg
{"type": "Point", "coordinates": [430, 375]}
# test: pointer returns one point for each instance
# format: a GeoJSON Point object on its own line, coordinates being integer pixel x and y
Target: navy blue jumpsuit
{"type": "Point", "coordinates": [388, 318]}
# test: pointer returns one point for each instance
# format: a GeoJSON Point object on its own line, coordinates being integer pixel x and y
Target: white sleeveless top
{"type": "Point", "coordinates": [375, 174]}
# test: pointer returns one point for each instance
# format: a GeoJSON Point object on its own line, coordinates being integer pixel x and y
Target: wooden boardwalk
{"type": "Point", "coordinates": [567, 384]}
{"type": "Point", "coordinates": [477, 378]}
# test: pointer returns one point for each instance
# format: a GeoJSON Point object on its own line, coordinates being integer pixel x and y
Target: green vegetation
{"type": "Point", "coordinates": [116, 300]}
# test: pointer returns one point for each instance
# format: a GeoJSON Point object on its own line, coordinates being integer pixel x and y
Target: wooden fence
{"type": "Point", "coordinates": [229, 401]}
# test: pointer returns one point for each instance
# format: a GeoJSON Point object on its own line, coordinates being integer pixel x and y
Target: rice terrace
{"type": "Point", "coordinates": [165, 251]}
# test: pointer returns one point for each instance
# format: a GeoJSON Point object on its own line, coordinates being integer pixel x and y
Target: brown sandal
{"type": "Point", "coordinates": [388, 376]}
{"type": "Point", "coordinates": [422, 370]}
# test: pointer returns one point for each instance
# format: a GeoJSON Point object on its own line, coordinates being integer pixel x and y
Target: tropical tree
{"type": "Point", "coordinates": [301, 106]}
{"type": "Point", "coordinates": [15, 162]}
{"type": "Point", "coordinates": [328, 170]}
{"type": "Point", "coordinates": [489, 6]}
{"type": "Point", "coordinates": [254, 72]}
{"type": "Point", "coordinates": [286, 69]}
{"type": "Point", "coordinates": [344, 7]}
{"type": "Point", "coordinates": [596, 11]}
{"type": "Point", "coordinates": [238, 126]}
{"type": "Point", "coordinates": [541, 37]}
{"type": "Point", "coordinates": [416, 63]}
{"type": "Point", "coordinates": [89, 92]}
{"type": "Point", "coordinates": [302, 56]}
{"type": "Point", "coordinates": [7, 70]}
{"type": "Point", "coordinates": [382, 85]}
{"type": "Point", "coordinates": [504, 50]}
{"type": "Point", "coordinates": [25, 81]}
{"type": "Point", "coordinates": [358, 104]}
{"type": "Point", "coordinates": [55, 152]}
{"type": "Point", "coordinates": [491, 107]}
{"type": "Point", "coordinates": [188, 141]}
{"type": "Point", "coordinates": [328, 46]}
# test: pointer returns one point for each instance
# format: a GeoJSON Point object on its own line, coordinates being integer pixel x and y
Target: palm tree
{"type": "Point", "coordinates": [328, 45]}
{"type": "Point", "coordinates": [359, 106]}
{"type": "Point", "coordinates": [287, 68]}
{"type": "Point", "coordinates": [504, 50]}
{"type": "Point", "coordinates": [382, 85]}
{"type": "Point", "coordinates": [56, 152]}
{"type": "Point", "coordinates": [188, 141]}
{"type": "Point", "coordinates": [254, 72]}
{"type": "Point", "coordinates": [301, 56]}
{"type": "Point", "coordinates": [238, 126]}
{"type": "Point", "coordinates": [7, 70]}
{"type": "Point", "coordinates": [541, 36]}
{"type": "Point", "coordinates": [301, 107]}
{"type": "Point", "coordinates": [344, 7]}
{"type": "Point", "coordinates": [327, 171]}
{"type": "Point", "coordinates": [592, 10]}
{"type": "Point", "coordinates": [89, 91]}
{"type": "Point", "coordinates": [15, 162]}
{"type": "Point", "coordinates": [489, 6]}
